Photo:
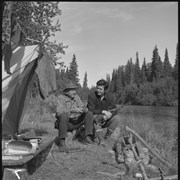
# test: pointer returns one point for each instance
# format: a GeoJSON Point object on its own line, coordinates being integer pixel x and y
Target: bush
{"type": "Point", "coordinates": [145, 95]}
{"type": "Point", "coordinates": [130, 93]}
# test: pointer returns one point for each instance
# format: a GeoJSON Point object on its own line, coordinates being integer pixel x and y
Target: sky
{"type": "Point", "coordinates": [105, 35]}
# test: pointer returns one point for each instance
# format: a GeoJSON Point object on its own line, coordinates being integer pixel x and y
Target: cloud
{"type": "Point", "coordinates": [115, 13]}
{"type": "Point", "coordinates": [123, 15]}
{"type": "Point", "coordinates": [169, 4]}
{"type": "Point", "coordinates": [77, 28]}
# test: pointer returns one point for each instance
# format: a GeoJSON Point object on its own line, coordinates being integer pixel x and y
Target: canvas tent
{"type": "Point", "coordinates": [16, 87]}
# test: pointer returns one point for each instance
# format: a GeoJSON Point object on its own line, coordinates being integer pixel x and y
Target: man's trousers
{"type": "Point", "coordinates": [67, 124]}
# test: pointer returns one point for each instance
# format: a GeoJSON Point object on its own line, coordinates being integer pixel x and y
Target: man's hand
{"type": "Point", "coordinates": [79, 110]}
{"type": "Point", "coordinates": [107, 113]}
{"type": "Point", "coordinates": [85, 109]}
{"type": "Point", "coordinates": [105, 117]}
{"type": "Point", "coordinates": [57, 114]}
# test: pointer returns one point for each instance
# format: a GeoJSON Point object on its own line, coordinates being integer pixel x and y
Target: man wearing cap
{"type": "Point", "coordinates": [71, 114]}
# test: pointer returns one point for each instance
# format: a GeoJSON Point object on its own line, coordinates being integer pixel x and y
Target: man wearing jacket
{"type": "Point", "coordinates": [101, 103]}
{"type": "Point", "coordinates": [71, 114]}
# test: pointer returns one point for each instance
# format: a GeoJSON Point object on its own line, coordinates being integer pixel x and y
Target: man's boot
{"type": "Point", "coordinates": [100, 137]}
{"type": "Point", "coordinates": [87, 140]}
{"type": "Point", "coordinates": [62, 146]}
{"type": "Point", "coordinates": [108, 133]}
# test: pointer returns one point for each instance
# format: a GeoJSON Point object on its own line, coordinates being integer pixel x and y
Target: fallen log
{"type": "Point", "coordinates": [167, 164]}
{"type": "Point", "coordinates": [116, 175]}
{"type": "Point", "coordinates": [165, 177]}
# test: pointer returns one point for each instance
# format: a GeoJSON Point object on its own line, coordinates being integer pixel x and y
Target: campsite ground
{"type": "Point", "coordinates": [86, 164]}
{"type": "Point", "coordinates": [80, 165]}
{"type": "Point", "coordinates": [92, 163]}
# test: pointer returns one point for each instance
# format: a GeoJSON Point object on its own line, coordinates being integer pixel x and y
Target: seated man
{"type": "Point", "coordinates": [100, 104]}
{"type": "Point", "coordinates": [71, 114]}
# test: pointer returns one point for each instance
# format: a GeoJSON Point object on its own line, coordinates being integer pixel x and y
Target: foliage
{"type": "Point", "coordinates": [36, 22]}
{"type": "Point", "coordinates": [85, 85]}
{"type": "Point", "coordinates": [73, 73]}
{"type": "Point", "coordinates": [83, 93]}
{"type": "Point", "coordinates": [175, 69]}
{"type": "Point", "coordinates": [155, 83]}
{"type": "Point", "coordinates": [156, 66]}
{"type": "Point", "coordinates": [130, 92]}
{"type": "Point", "coordinates": [137, 70]}
{"type": "Point", "coordinates": [61, 80]}
{"type": "Point", "coordinates": [167, 69]}
{"type": "Point", "coordinates": [158, 140]}
{"type": "Point", "coordinates": [164, 91]}
{"type": "Point", "coordinates": [129, 71]}
{"type": "Point", "coordinates": [145, 95]}
{"type": "Point", "coordinates": [144, 72]}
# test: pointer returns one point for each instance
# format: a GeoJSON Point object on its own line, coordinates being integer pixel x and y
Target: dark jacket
{"type": "Point", "coordinates": [96, 106]}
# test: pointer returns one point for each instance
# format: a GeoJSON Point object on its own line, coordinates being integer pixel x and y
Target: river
{"type": "Point", "coordinates": [163, 118]}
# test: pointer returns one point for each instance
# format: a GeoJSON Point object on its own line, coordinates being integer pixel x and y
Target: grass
{"type": "Point", "coordinates": [165, 145]}
{"type": "Point", "coordinates": [39, 118]}
{"type": "Point", "coordinates": [42, 121]}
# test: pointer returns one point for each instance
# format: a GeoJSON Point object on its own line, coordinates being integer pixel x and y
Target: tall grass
{"type": "Point", "coordinates": [165, 145]}
{"type": "Point", "coordinates": [39, 117]}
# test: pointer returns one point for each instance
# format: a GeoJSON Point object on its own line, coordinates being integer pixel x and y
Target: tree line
{"type": "Point", "coordinates": [30, 23]}
{"type": "Point", "coordinates": [154, 83]}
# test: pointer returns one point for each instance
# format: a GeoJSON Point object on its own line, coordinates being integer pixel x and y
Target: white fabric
{"type": "Point", "coordinates": [20, 58]}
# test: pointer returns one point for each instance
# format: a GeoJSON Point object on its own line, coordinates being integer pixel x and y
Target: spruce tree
{"type": "Point", "coordinates": [137, 70]}
{"type": "Point", "coordinates": [113, 81]}
{"type": "Point", "coordinates": [175, 69]}
{"type": "Point", "coordinates": [73, 71]}
{"type": "Point", "coordinates": [144, 72]}
{"type": "Point", "coordinates": [166, 65]}
{"type": "Point", "coordinates": [156, 65]}
{"type": "Point", "coordinates": [108, 79]}
{"type": "Point", "coordinates": [132, 71]}
{"type": "Point", "coordinates": [148, 65]}
{"type": "Point", "coordinates": [85, 81]}
{"type": "Point", "coordinates": [160, 67]}
{"type": "Point", "coordinates": [129, 71]}
{"type": "Point", "coordinates": [120, 78]}
{"type": "Point", "coordinates": [67, 72]}
{"type": "Point", "coordinates": [119, 83]}
{"type": "Point", "coordinates": [123, 76]}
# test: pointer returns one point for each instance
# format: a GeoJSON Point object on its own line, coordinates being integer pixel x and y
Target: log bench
{"type": "Point", "coordinates": [20, 168]}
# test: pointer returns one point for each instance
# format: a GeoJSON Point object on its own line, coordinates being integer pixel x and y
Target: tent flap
{"type": "Point", "coordinates": [46, 74]}
{"type": "Point", "coordinates": [18, 102]}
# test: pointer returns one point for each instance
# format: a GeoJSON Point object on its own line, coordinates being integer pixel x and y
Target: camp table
{"type": "Point", "coordinates": [22, 164]}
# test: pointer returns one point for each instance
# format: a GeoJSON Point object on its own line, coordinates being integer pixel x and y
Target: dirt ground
{"type": "Point", "coordinates": [91, 163]}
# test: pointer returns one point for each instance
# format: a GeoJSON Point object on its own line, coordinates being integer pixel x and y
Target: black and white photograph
{"type": "Point", "coordinates": [89, 90]}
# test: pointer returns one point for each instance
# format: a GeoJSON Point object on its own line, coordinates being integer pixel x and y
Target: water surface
{"type": "Point", "coordinates": [163, 118]}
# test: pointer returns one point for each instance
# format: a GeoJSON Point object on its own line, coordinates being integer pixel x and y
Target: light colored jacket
{"type": "Point", "coordinates": [69, 106]}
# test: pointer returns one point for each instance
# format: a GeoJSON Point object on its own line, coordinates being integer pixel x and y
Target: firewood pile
{"type": "Point", "coordinates": [136, 155]}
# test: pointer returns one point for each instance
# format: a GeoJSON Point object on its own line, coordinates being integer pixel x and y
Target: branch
{"type": "Point", "coordinates": [116, 175]}
{"type": "Point", "coordinates": [137, 158]}
{"type": "Point", "coordinates": [36, 41]}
